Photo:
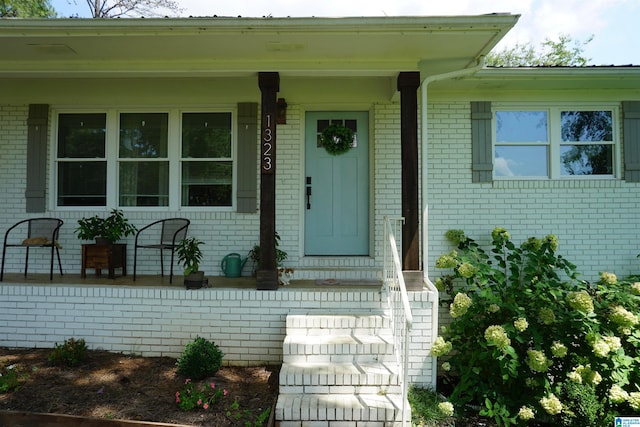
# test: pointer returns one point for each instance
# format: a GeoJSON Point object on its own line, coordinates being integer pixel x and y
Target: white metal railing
{"type": "Point", "coordinates": [399, 307]}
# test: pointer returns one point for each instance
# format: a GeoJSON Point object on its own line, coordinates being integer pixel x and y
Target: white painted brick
{"type": "Point", "coordinates": [531, 208]}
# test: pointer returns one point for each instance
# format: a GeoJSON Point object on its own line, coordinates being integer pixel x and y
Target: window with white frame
{"type": "Point", "coordinates": [145, 159]}
{"type": "Point", "coordinates": [556, 142]}
{"type": "Point", "coordinates": [207, 169]}
{"type": "Point", "coordinates": [82, 159]}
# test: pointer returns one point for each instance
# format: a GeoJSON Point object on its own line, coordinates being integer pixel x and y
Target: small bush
{"type": "Point", "coordinates": [200, 359]}
{"type": "Point", "coordinates": [193, 397]}
{"type": "Point", "coordinates": [71, 353]}
{"type": "Point", "coordinates": [9, 379]}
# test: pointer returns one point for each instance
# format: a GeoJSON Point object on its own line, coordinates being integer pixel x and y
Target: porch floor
{"type": "Point", "coordinates": [155, 281]}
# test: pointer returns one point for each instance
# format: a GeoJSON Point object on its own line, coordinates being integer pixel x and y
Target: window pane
{"type": "Point", "coordinates": [81, 135]}
{"type": "Point", "coordinates": [586, 159]}
{"type": "Point", "coordinates": [206, 135]}
{"type": "Point", "coordinates": [82, 183]}
{"type": "Point", "coordinates": [586, 126]}
{"type": "Point", "coordinates": [521, 160]}
{"type": "Point", "coordinates": [521, 126]}
{"type": "Point", "coordinates": [144, 184]}
{"type": "Point", "coordinates": [207, 183]}
{"type": "Point", "coordinates": [143, 135]}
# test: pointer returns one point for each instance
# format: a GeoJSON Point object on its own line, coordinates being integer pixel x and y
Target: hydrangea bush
{"type": "Point", "coordinates": [529, 340]}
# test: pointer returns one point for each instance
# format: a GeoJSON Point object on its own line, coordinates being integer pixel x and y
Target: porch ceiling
{"type": "Point", "coordinates": [380, 46]}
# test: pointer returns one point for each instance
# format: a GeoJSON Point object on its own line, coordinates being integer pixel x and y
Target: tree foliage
{"type": "Point", "coordinates": [132, 8]}
{"type": "Point", "coordinates": [564, 52]}
{"type": "Point", "coordinates": [26, 9]}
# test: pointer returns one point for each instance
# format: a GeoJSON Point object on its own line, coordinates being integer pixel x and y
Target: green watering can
{"type": "Point", "coordinates": [232, 265]}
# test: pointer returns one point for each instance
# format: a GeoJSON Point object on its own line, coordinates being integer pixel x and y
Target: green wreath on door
{"type": "Point", "coordinates": [337, 139]}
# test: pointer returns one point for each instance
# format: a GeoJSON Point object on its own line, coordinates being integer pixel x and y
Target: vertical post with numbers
{"type": "Point", "coordinates": [267, 273]}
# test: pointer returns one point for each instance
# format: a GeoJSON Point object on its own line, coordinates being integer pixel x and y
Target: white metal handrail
{"type": "Point", "coordinates": [399, 307]}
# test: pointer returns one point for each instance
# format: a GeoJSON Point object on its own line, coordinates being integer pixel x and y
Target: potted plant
{"type": "Point", "coordinates": [190, 256]}
{"type": "Point", "coordinates": [105, 230]}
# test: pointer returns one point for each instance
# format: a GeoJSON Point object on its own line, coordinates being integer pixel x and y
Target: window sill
{"type": "Point", "coordinates": [558, 183]}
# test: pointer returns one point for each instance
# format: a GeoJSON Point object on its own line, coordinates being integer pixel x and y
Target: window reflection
{"type": "Point", "coordinates": [521, 126]}
{"type": "Point", "coordinates": [586, 126]}
{"type": "Point", "coordinates": [586, 160]}
{"type": "Point", "coordinates": [521, 160]}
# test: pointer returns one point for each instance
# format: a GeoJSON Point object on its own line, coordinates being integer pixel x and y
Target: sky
{"type": "Point", "coordinates": [614, 24]}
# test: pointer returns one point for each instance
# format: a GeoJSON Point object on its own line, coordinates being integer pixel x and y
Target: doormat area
{"type": "Point", "coordinates": [348, 282]}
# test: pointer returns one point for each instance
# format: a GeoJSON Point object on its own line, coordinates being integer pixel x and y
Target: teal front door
{"type": "Point", "coordinates": [337, 188]}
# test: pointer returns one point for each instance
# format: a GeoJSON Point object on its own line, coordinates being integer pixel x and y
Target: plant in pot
{"type": "Point", "coordinates": [284, 274]}
{"type": "Point", "coordinates": [105, 230]}
{"type": "Point", "coordinates": [190, 256]}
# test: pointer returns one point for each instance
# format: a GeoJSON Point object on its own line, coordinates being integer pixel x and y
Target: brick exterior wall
{"type": "Point", "coordinates": [596, 220]}
{"type": "Point", "coordinates": [247, 325]}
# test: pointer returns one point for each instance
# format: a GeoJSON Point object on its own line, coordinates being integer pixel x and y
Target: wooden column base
{"type": "Point", "coordinates": [267, 280]}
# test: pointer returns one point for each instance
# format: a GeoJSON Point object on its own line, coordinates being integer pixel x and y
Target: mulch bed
{"type": "Point", "coordinates": [126, 387]}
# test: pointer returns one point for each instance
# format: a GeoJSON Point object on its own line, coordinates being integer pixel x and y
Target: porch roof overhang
{"type": "Point", "coordinates": [176, 47]}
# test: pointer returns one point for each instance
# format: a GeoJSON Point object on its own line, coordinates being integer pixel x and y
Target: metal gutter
{"type": "Point", "coordinates": [425, 219]}
{"type": "Point", "coordinates": [425, 139]}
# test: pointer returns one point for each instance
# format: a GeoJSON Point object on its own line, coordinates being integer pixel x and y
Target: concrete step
{"type": "Point", "coordinates": [339, 370]}
{"type": "Point", "coordinates": [339, 407]}
{"type": "Point", "coordinates": [339, 378]}
{"type": "Point", "coordinates": [337, 348]}
{"type": "Point", "coordinates": [336, 324]}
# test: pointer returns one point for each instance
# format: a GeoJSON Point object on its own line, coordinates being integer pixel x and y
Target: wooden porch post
{"type": "Point", "coordinates": [408, 83]}
{"type": "Point", "coordinates": [267, 274]}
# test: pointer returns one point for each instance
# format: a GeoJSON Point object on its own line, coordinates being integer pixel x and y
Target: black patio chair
{"type": "Point", "coordinates": [33, 233]}
{"type": "Point", "coordinates": [162, 235]}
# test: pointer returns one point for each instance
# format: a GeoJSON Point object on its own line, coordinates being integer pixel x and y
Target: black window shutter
{"type": "Point", "coordinates": [631, 129]}
{"type": "Point", "coordinates": [247, 157]}
{"type": "Point", "coordinates": [482, 150]}
{"type": "Point", "coordinates": [37, 126]}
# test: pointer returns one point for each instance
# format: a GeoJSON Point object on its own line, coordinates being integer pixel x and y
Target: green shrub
{"type": "Point", "coordinates": [71, 353]}
{"type": "Point", "coordinates": [525, 331]}
{"type": "Point", "coordinates": [583, 408]}
{"type": "Point", "coordinates": [200, 359]}
{"type": "Point", "coordinates": [9, 379]}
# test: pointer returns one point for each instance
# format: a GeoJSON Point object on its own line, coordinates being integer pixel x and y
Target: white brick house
{"type": "Point", "coordinates": [373, 74]}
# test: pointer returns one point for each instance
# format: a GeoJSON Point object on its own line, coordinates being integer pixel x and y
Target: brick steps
{"type": "Point", "coordinates": [338, 370]}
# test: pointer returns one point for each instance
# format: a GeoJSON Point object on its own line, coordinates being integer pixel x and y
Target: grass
{"type": "Point", "coordinates": [424, 408]}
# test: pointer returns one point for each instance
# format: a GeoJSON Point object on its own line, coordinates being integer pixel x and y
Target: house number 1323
{"type": "Point", "coordinates": [268, 144]}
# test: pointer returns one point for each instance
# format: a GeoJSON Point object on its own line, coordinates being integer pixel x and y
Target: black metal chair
{"type": "Point", "coordinates": [33, 233]}
{"type": "Point", "coordinates": [161, 235]}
